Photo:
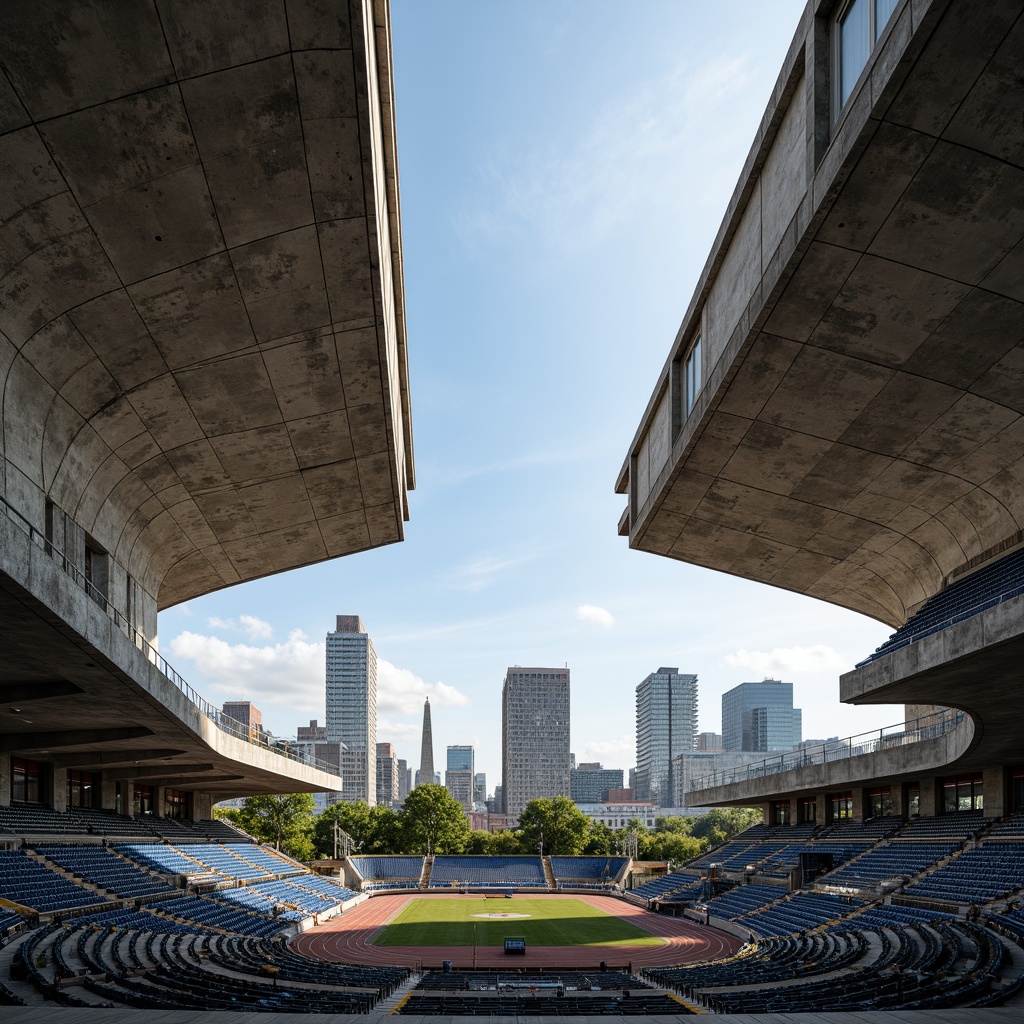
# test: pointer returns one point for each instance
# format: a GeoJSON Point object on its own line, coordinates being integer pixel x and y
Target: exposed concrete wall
{"type": "Point", "coordinates": [994, 781]}
{"type": "Point", "coordinates": [58, 787]}
{"type": "Point", "coordinates": [5, 780]}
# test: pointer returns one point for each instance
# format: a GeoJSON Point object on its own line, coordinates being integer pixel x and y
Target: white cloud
{"type": "Point", "coordinates": [474, 576]}
{"type": "Point", "coordinates": [788, 661]}
{"type": "Point", "coordinates": [250, 625]}
{"type": "Point", "coordinates": [289, 674]}
{"type": "Point", "coordinates": [632, 149]}
{"type": "Point", "coordinates": [598, 616]}
{"type": "Point", "coordinates": [402, 692]}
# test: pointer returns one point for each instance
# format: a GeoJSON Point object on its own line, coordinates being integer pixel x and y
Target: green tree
{"type": "Point", "coordinates": [721, 824]}
{"type": "Point", "coordinates": [286, 821]}
{"type": "Point", "coordinates": [353, 819]}
{"type": "Point", "coordinates": [433, 821]}
{"type": "Point", "coordinates": [557, 824]}
{"type": "Point", "coordinates": [385, 831]}
{"type": "Point", "coordinates": [504, 843]}
{"type": "Point", "coordinates": [600, 840]}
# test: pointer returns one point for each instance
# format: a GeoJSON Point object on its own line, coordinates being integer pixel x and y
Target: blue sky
{"type": "Point", "coordinates": [564, 167]}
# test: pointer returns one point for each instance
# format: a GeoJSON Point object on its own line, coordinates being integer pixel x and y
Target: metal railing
{"type": "Point", "coordinates": [153, 656]}
{"type": "Point", "coordinates": [928, 727]}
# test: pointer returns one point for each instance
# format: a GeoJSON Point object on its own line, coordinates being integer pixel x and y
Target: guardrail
{"type": "Point", "coordinates": [927, 727]}
{"type": "Point", "coordinates": [152, 655]}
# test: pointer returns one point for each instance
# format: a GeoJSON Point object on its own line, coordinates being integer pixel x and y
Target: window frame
{"type": "Point", "coordinates": [875, 30]}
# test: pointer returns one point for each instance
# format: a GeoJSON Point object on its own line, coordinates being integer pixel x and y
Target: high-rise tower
{"type": "Point", "coordinates": [352, 706]}
{"type": "Point", "coordinates": [666, 726]}
{"type": "Point", "coordinates": [534, 735]}
{"type": "Point", "coordinates": [760, 716]}
{"type": "Point", "coordinates": [426, 769]}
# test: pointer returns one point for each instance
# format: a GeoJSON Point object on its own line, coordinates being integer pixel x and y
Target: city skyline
{"type": "Point", "coordinates": [532, 204]}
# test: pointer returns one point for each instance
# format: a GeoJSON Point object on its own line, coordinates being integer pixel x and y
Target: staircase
{"type": "Point", "coordinates": [387, 1005]}
{"type": "Point", "coordinates": [428, 867]}
{"type": "Point", "coordinates": [549, 875]}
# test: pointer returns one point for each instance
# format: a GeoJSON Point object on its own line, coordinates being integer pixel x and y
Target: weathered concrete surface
{"type": "Point", "coordinates": [889, 767]}
{"type": "Point", "coordinates": [202, 333]}
{"type": "Point", "coordinates": [75, 692]}
{"type": "Point", "coordinates": [860, 433]}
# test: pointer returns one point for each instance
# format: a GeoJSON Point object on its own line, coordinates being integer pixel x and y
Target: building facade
{"type": "Point", "coordinates": [760, 717]}
{"type": "Point", "coordinates": [589, 782]}
{"type": "Point", "coordinates": [666, 726]}
{"type": "Point", "coordinates": [459, 776]}
{"type": "Point", "coordinates": [352, 706]}
{"type": "Point", "coordinates": [387, 775]}
{"type": "Point", "coordinates": [535, 710]}
{"type": "Point", "coordinates": [246, 714]}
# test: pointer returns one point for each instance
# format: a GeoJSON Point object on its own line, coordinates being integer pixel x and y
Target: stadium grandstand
{"type": "Point", "coordinates": [840, 415]}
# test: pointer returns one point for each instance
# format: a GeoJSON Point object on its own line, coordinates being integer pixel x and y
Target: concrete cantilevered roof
{"type": "Point", "coordinates": [202, 332]}
{"type": "Point", "coordinates": [860, 433]}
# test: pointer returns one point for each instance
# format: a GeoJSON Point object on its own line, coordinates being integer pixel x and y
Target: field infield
{"type": "Point", "coordinates": [469, 921]}
{"type": "Point", "coordinates": [652, 940]}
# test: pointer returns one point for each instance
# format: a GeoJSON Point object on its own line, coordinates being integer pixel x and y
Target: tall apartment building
{"type": "Point", "coordinates": [534, 735]}
{"type": "Point", "coordinates": [425, 773]}
{"type": "Point", "coordinates": [666, 726]}
{"type": "Point", "coordinates": [459, 775]}
{"type": "Point", "coordinates": [760, 717]}
{"type": "Point", "coordinates": [480, 788]}
{"type": "Point", "coordinates": [590, 782]}
{"type": "Point", "coordinates": [387, 775]}
{"type": "Point", "coordinates": [404, 779]}
{"type": "Point", "coordinates": [352, 706]}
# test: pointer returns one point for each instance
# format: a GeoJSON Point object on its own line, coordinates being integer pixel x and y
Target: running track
{"type": "Point", "coordinates": [348, 938]}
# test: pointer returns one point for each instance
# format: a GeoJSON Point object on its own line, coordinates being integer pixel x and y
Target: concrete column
{"type": "Point", "coordinates": [59, 788]}
{"type": "Point", "coordinates": [822, 810]}
{"type": "Point", "coordinates": [128, 799]}
{"type": "Point", "coordinates": [858, 803]}
{"type": "Point", "coordinates": [108, 789]}
{"type": "Point", "coordinates": [766, 813]}
{"type": "Point", "coordinates": [158, 801]}
{"type": "Point", "coordinates": [202, 806]}
{"type": "Point", "coordinates": [994, 781]}
{"type": "Point", "coordinates": [5, 780]}
{"type": "Point", "coordinates": [931, 794]}
{"type": "Point", "coordinates": [794, 810]}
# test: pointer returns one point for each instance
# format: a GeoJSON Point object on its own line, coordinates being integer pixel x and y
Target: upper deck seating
{"type": "Point", "coordinates": [996, 582]}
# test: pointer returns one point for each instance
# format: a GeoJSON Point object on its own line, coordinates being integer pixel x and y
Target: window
{"type": "Point", "coordinates": [142, 800]}
{"type": "Point", "coordinates": [175, 804]}
{"type": "Point", "coordinates": [692, 383]}
{"type": "Point", "coordinates": [25, 776]}
{"type": "Point", "coordinates": [857, 28]}
{"type": "Point", "coordinates": [781, 812]}
{"type": "Point", "coordinates": [80, 788]}
{"type": "Point", "coordinates": [808, 809]}
{"type": "Point", "coordinates": [879, 803]}
{"type": "Point", "coordinates": [965, 793]}
{"type": "Point", "coordinates": [840, 806]}
{"type": "Point", "coordinates": [96, 572]}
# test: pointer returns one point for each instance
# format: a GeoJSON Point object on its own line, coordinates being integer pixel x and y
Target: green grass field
{"type": "Point", "coordinates": [436, 921]}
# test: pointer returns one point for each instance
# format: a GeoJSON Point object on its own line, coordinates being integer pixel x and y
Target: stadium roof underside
{"type": "Point", "coordinates": [859, 434]}
{"type": "Point", "coordinates": [203, 366]}
{"type": "Point", "coordinates": [202, 282]}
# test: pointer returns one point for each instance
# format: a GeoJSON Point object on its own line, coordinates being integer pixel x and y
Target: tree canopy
{"type": "Point", "coordinates": [285, 821]}
{"type": "Point", "coordinates": [433, 821]}
{"type": "Point", "coordinates": [554, 826]}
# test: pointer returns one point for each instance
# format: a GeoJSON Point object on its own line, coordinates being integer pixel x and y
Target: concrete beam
{"type": "Point", "coordinates": [194, 782]}
{"type": "Point", "coordinates": [38, 742]}
{"type": "Point", "coordinates": [21, 693]}
{"type": "Point", "coordinates": [157, 770]}
{"type": "Point", "coordinates": [101, 759]}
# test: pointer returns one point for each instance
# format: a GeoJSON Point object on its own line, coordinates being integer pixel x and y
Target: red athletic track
{"type": "Point", "coordinates": [348, 938]}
